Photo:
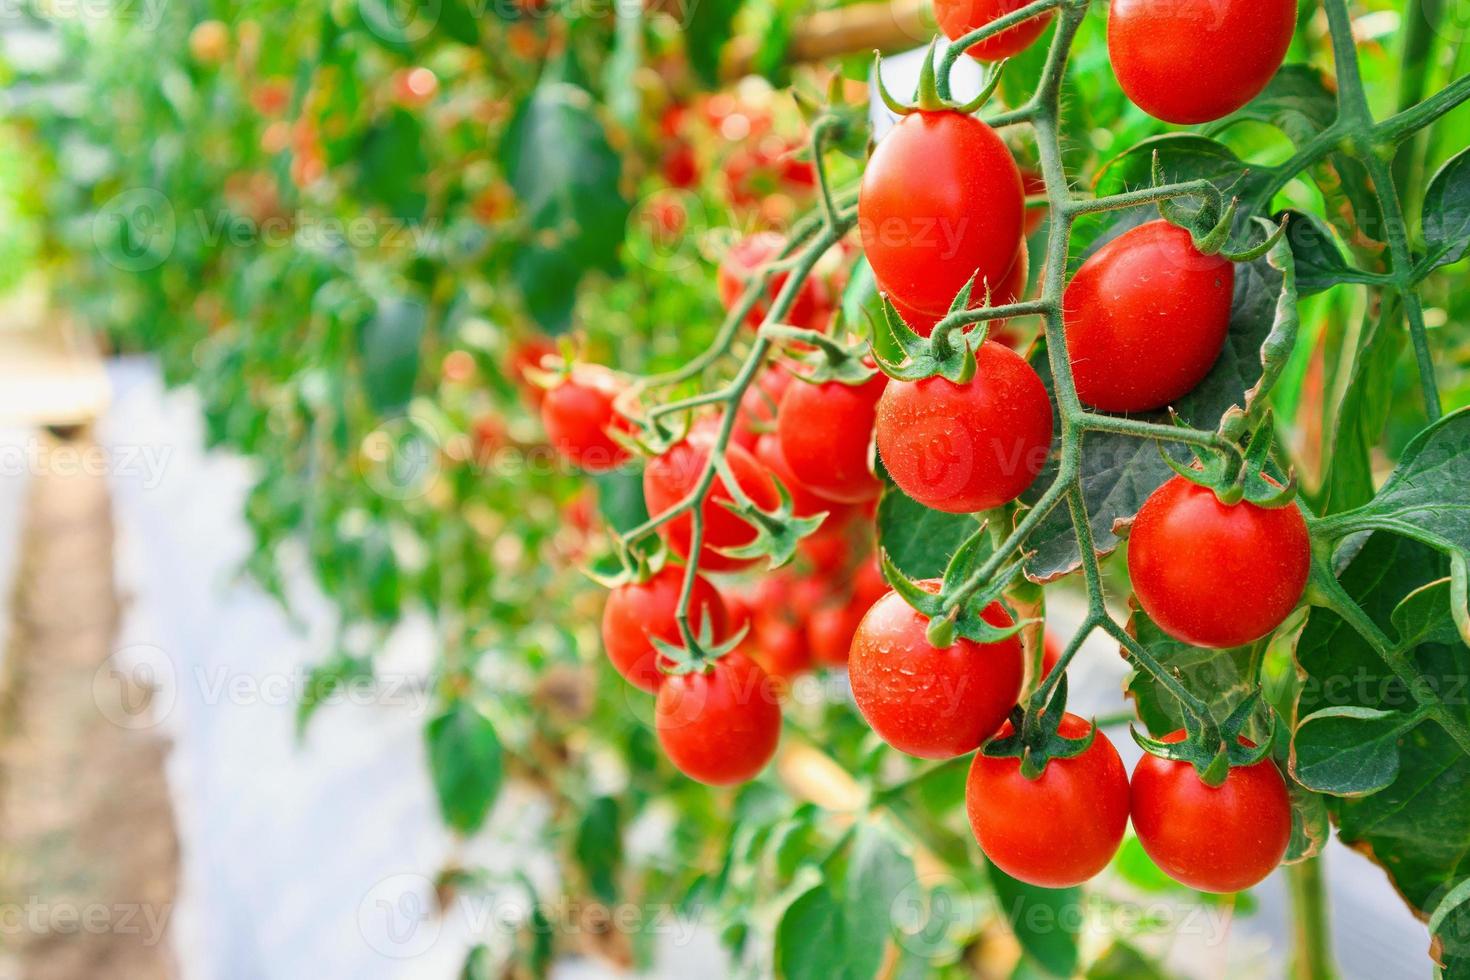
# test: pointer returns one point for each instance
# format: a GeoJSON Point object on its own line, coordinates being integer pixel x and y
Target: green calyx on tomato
{"type": "Point", "coordinates": [1035, 737]}
{"type": "Point", "coordinates": [927, 97]}
{"type": "Point", "coordinates": [1236, 478]}
{"type": "Point", "coordinates": [948, 619]}
{"type": "Point", "coordinates": [1211, 222]}
{"type": "Point", "coordinates": [1213, 750]}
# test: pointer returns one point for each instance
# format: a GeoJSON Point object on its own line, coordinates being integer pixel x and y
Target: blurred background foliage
{"type": "Point", "coordinates": [347, 226]}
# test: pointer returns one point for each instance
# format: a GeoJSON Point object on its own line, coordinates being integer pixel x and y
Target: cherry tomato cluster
{"type": "Point", "coordinates": [1187, 61]}
{"type": "Point", "coordinates": [1145, 319]}
{"type": "Point", "coordinates": [943, 703]}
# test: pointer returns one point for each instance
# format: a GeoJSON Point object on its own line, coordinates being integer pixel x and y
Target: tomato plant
{"type": "Point", "coordinates": [926, 239]}
{"type": "Point", "coordinates": [1238, 348]}
{"type": "Point", "coordinates": [967, 447]}
{"type": "Point", "coordinates": [637, 613]}
{"type": "Point", "coordinates": [1147, 317]}
{"type": "Point", "coordinates": [1197, 60]}
{"type": "Point", "coordinates": [1259, 561]}
{"type": "Point", "coordinates": [1081, 802]}
{"type": "Point", "coordinates": [931, 702]}
{"type": "Point", "coordinates": [719, 725]}
{"type": "Point", "coordinates": [1222, 838]}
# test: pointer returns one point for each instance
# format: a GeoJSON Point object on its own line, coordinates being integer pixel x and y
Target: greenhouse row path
{"type": "Point", "coordinates": [88, 852]}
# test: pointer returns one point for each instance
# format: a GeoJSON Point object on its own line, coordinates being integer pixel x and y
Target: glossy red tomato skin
{"type": "Point", "coordinates": [1146, 319]}
{"type": "Point", "coordinates": [1056, 831]}
{"type": "Point", "coordinates": [971, 447]}
{"type": "Point", "coordinates": [779, 644]}
{"type": "Point", "coordinates": [1215, 839]}
{"type": "Point", "coordinates": [719, 727]}
{"type": "Point", "coordinates": [805, 502]}
{"type": "Point", "coordinates": [959, 17]}
{"type": "Point", "coordinates": [1216, 575]}
{"type": "Point", "coordinates": [745, 259]}
{"type": "Point", "coordinates": [669, 478]}
{"type": "Point", "coordinates": [926, 238]}
{"type": "Point", "coordinates": [578, 415]}
{"type": "Point", "coordinates": [1008, 291]}
{"type": "Point", "coordinates": [1195, 61]}
{"type": "Point", "coordinates": [830, 630]}
{"type": "Point", "coordinates": [930, 703]}
{"type": "Point", "coordinates": [825, 430]}
{"type": "Point", "coordinates": [637, 613]}
{"type": "Point", "coordinates": [757, 412]}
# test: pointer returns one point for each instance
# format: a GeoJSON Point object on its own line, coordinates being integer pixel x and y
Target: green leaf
{"type": "Point", "coordinates": [1310, 824]}
{"type": "Point", "coordinates": [1319, 262]}
{"type": "Point", "coordinates": [1348, 751]}
{"type": "Point", "coordinates": [391, 165]}
{"type": "Point", "coordinates": [324, 681]}
{"type": "Point", "coordinates": [1417, 825]}
{"type": "Point", "coordinates": [390, 353]}
{"type": "Point", "coordinates": [1363, 412]}
{"type": "Point", "coordinates": [1424, 498]}
{"type": "Point", "coordinates": [1045, 921]}
{"type": "Point", "coordinates": [862, 311]}
{"type": "Point", "coordinates": [1225, 676]}
{"type": "Point", "coordinates": [1449, 926]}
{"type": "Point", "coordinates": [599, 846]}
{"type": "Point", "coordinates": [918, 540]}
{"type": "Point", "coordinates": [1123, 962]}
{"type": "Point", "coordinates": [478, 964]}
{"type": "Point", "coordinates": [566, 176]}
{"type": "Point", "coordinates": [1446, 220]}
{"type": "Point", "coordinates": [708, 25]}
{"type": "Point", "coordinates": [620, 497]}
{"type": "Point", "coordinates": [878, 870]}
{"type": "Point", "coordinates": [1295, 101]}
{"type": "Point", "coordinates": [465, 762]}
{"type": "Point", "coordinates": [809, 939]}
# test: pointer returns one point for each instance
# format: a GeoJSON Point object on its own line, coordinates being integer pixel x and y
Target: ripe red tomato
{"type": "Point", "coordinates": [720, 726]}
{"type": "Point", "coordinates": [638, 613]}
{"type": "Point", "coordinates": [830, 629]}
{"type": "Point", "coordinates": [959, 17]}
{"type": "Point", "coordinates": [1213, 838]}
{"type": "Point", "coordinates": [578, 414]}
{"type": "Point", "coordinates": [670, 478]}
{"type": "Point", "coordinates": [1060, 829]}
{"type": "Point", "coordinates": [679, 165]}
{"type": "Point", "coordinates": [809, 310]}
{"type": "Point", "coordinates": [970, 447]}
{"type": "Point", "coordinates": [1033, 184]}
{"type": "Point", "coordinates": [1194, 61]}
{"type": "Point", "coordinates": [940, 202]}
{"type": "Point", "coordinates": [1146, 318]}
{"type": "Point", "coordinates": [779, 645]}
{"type": "Point", "coordinates": [1212, 574]}
{"type": "Point", "coordinates": [804, 501]}
{"type": "Point", "coordinates": [934, 704]}
{"type": "Point", "coordinates": [757, 412]}
{"type": "Point", "coordinates": [1007, 291]}
{"type": "Point", "coordinates": [524, 354]}
{"type": "Point", "coordinates": [825, 430]}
